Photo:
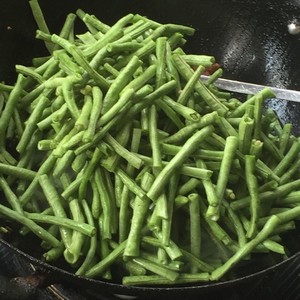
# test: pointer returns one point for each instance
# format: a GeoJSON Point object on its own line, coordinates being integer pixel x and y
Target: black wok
{"type": "Point", "coordinates": [249, 39]}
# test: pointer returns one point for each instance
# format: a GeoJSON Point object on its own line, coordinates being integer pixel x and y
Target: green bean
{"type": "Point", "coordinates": [213, 77]}
{"type": "Point", "coordinates": [118, 189]}
{"type": "Point", "coordinates": [62, 221]}
{"type": "Point", "coordinates": [73, 187]}
{"type": "Point", "coordinates": [261, 167]}
{"type": "Point", "coordinates": [217, 231]}
{"type": "Point", "coordinates": [80, 59]}
{"type": "Point", "coordinates": [95, 113]}
{"type": "Point", "coordinates": [154, 140]}
{"type": "Point", "coordinates": [88, 171]}
{"type": "Point", "coordinates": [36, 229]}
{"type": "Point", "coordinates": [180, 201]}
{"type": "Point", "coordinates": [229, 154]}
{"type": "Point", "coordinates": [256, 148]}
{"type": "Point", "coordinates": [100, 267]}
{"type": "Point", "coordinates": [79, 162]}
{"type": "Point", "coordinates": [96, 202]}
{"type": "Point", "coordinates": [66, 63]}
{"type": "Point", "coordinates": [110, 188]}
{"type": "Point", "coordinates": [119, 83]}
{"type": "Point", "coordinates": [200, 88]}
{"type": "Point", "coordinates": [167, 223]}
{"type": "Point", "coordinates": [92, 20]}
{"type": "Point", "coordinates": [40, 20]}
{"type": "Point", "coordinates": [226, 128]}
{"type": "Point", "coordinates": [136, 30]}
{"type": "Point", "coordinates": [220, 94]}
{"type": "Point", "coordinates": [11, 103]}
{"type": "Point", "coordinates": [288, 159]}
{"type": "Point", "coordinates": [173, 251]}
{"type": "Point", "coordinates": [54, 253]}
{"type": "Point", "coordinates": [271, 148]}
{"type": "Point", "coordinates": [171, 72]}
{"type": "Point", "coordinates": [63, 163]}
{"type": "Point", "coordinates": [112, 34]}
{"type": "Point", "coordinates": [68, 27]}
{"type": "Point", "coordinates": [46, 145]}
{"type": "Point", "coordinates": [258, 107]}
{"type": "Point", "coordinates": [5, 88]}
{"type": "Point", "coordinates": [126, 97]}
{"type": "Point", "coordinates": [159, 214]}
{"type": "Point", "coordinates": [187, 131]}
{"type": "Point", "coordinates": [211, 193]}
{"type": "Point", "coordinates": [103, 131]}
{"type": "Point", "coordinates": [44, 168]}
{"type": "Point", "coordinates": [117, 146]}
{"type": "Point", "coordinates": [58, 115]}
{"type": "Point", "coordinates": [50, 68]}
{"type": "Point", "coordinates": [196, 60]}
{"type": "Point", "coordinates": [131, 184]}
{"type": "Point", "coordinates": [189, 186]}
{"type": "Point", "coordinates": [124, 213]}
{"type": "Point", "coordinates": [10, 196]}
{"type": "Point", "coordinates": [184, 170]}
{"type": "Point", "coordinates": [265, 93]}
{"type": "Point", "coordinates": [93, 241]}
{"type": "Point", "coordinates": [280, 191]}
{"type": "Point", "coordinates": [195, 230]}
{"type": "Point", "coordinates": [156, 268]}
{"type": "Point", "coordinates": [141, 80]}
{"type": "Point", "coordinates": [105, 203]}
{"type": "Point", "coordinates": [56, 205]}
{"type": "Point", "coordinates": [170, 113]}
{"type": "Point", "coordinates": [157, 279]}
{"type": "Point", "coordinates": [272, 223]}
{"type": "Point", "coordinates": [161, 48]}
{"type": "Point", "coordinates": [149, 99]}
{"type": "Point", "coordinates": [254, 194]}
{"type": "Point", "coordinates": [110, 69]}
{"type": "Point", "coordinates": [29, 72]}
{"type": "Point", "coordinates": [273, 246]}
{"type": "Point", "coordinates": [68, 93]}
{"type": "Point", "coordinates": [186, 112]}
{"type": "Point", "coordinates": [284, 137]}
{"type": "Point", "coordinates": [237, 224]}
{"type": "Point", "coordinates": [73, 252]}
{"type": "Point", "coordinates": [124, 197]}
{"type": "Point", "coordinates": [140, 209]}
{"type": "Point", "coordinates": [17, 171]}
{"type": "Point", "coordinates": [148, 48]}
{"type": "Point", "coordinates": [176, 162]}
{"type": "Point", "coordinates": [288, 175]}
{"type": "Point", "coordinates": [245, 134]}
{"type": "Point", "coordinates": [83, 118]}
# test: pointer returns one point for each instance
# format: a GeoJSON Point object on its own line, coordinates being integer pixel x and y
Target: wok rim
{"type": "Point", "coordinates": [117, 288]}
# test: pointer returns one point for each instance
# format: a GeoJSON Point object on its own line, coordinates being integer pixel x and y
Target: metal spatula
{"type": "Point", "coordinates": [250, 88]}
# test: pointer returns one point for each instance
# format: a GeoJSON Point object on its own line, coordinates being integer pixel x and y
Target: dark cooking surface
{"type": "Point", "coordinates": [283, 284]}
{"type": "Point", "coordinates": [249, 38]}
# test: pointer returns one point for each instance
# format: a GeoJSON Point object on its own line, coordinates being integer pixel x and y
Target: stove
{"type": "Point", "coordinates": [19, 280]}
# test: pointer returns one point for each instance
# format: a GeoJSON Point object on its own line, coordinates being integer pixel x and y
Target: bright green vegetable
{"type": "Point", "coordinates": [127, 160]}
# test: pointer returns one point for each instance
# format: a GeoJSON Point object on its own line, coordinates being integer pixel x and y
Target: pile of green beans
{"type": "Point", "coordinates": [122, 161]}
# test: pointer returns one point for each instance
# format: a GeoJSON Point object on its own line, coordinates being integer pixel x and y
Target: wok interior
{"type": "Point", "coordinates": [248, 38]}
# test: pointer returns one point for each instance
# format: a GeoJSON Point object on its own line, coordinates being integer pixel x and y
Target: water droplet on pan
{"type": "Point", "coordinates": [294, 27]}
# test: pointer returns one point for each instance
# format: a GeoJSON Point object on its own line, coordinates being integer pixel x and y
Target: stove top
{"type": "Point", "coordinates": [19, 280]}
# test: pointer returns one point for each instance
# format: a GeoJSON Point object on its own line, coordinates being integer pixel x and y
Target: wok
{"type": "Point", "coordinates": [249, 38]}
